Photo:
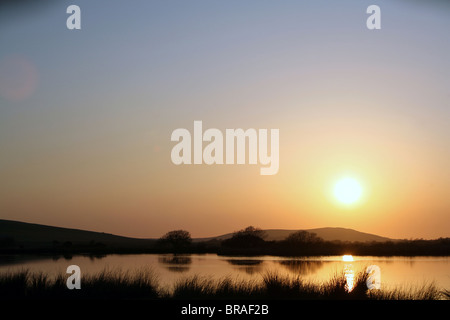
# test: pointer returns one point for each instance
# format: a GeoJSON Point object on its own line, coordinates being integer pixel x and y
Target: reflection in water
{"type": "Point", "coordinates": [175, 262]}
{"type": "Point", "coordinates": [349, 274]}
{"type": "Point", "coordinates": [27, 260]}
{"type": "Point", "coordinates": [177, 268]}
{"type": "Point", "coordinates": [347, 257]}
{"type": "Point", "coordinates": [93, 257]}
{"type": "Point", "coordinates": [240, 262]}
{"type": "Point", "coordinates": [14, 259]}
{"type": "Point", "coordinates": [396, 271]}
{"type": "Point", "coordinates": [248, 266]}
{"type": "Point", "coordinates": [67, 257]}
{"type": "Point", "coordinates": [302, 267]}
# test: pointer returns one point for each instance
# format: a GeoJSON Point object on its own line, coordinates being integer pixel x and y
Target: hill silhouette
{"type": "Point", "coordinates": [31, 235]}
{"type": "Point", "coordinates": [327, 234]}
{"type": "Point", "coordinates": [23, 237]}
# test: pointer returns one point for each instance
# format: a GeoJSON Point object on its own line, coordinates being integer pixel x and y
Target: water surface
{"type": "Point", "coordinates": [395, 271]}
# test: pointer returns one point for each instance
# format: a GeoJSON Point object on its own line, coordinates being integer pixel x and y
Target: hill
{"type": "Point", "coordinates": [34, 236]}
{"type": "Point", "coordinates": [31, 235]}
{"type": "Point", "coordinates": [328, 234]}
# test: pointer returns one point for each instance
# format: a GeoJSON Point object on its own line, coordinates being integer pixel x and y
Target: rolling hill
{"type": "Point", "coordinates": [328, 234]}
{"type": "Point", "coordinates": [33, 235]}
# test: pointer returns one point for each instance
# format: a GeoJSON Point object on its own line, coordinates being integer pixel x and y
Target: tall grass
{"type": "Point", "coordinates": [107, 284]}
{"type": "Point", "coordinates": [144, 284]}
{"type": "Point", "coordinates": [14, 285]}
{"type": "Point", "coordinates": [197, 287]}
{"type": "Point", "coordinates": [446, 294]}
{"type": "Point", "coordinates": [426, 291]}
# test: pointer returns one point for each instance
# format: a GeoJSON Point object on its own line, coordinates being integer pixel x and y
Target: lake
{"type": "Point", "coordinates": [405, 272]}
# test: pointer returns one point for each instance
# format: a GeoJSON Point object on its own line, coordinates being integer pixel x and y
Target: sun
{"type": "Point", "coordinates": [348, 190]}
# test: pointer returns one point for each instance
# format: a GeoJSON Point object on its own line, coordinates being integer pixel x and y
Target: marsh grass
{"type": "Point", "coordinates": [197, 287]}
{"type": "Point", "coordinates": [446, 294]}
{"type": "Point", "coordinates": [425, 291]}
{"type": "Point", "coordinates": [144, 284]}
{"type": "Point", "coordinates": [14, 284]}
{"type": "Point", "coordinates": [107, 284]}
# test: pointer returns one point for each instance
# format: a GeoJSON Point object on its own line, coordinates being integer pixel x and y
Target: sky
{"type": "Point", "coordinates": [86, 116]}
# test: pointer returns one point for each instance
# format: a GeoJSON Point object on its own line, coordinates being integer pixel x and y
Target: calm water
{"type": "Point", "coordinates": [395, 271]}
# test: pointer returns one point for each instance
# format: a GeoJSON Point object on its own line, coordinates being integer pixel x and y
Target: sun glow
{"type": "Point", "coordinates": [347, 258]}
{"type": "Point", "coordinates": [347, 190]}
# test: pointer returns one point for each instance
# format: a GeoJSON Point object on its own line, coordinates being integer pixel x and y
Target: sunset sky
{"type": "Point", "coordinates": [86, 116]}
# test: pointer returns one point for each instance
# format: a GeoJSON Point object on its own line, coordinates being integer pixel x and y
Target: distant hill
{"type": "Point", "coordinates": [328, 234]}
{"type": "Point", "coordinates": [31, 235]}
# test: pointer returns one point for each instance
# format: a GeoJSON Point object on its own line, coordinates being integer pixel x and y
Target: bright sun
{"type": "Point", "coordinates": [347, 190]}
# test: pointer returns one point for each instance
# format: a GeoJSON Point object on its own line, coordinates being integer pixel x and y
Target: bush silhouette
{"type": "Point", "coordinates": [305, 237]}
{"type": "Point", "coordinates": [249, 237]}
{"type": "Point", "coordinates": [177, 239]}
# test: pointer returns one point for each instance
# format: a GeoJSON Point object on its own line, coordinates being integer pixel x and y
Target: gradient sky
{"type": "Point", "coordinates": [86, 115]}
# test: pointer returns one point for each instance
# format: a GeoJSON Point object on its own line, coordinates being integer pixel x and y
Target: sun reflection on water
{"type": "Point", "coordinates": [349, 273]}
{"type": "Point", "coordinates": [349, 276]}
{"type": "Point", "coordinates": [347, 257]}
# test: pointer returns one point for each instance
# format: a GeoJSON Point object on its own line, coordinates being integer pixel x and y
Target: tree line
{"type": "Point", "coordinates": [248, 241]}
{"type": "Point", "coordinates": [251, 241]}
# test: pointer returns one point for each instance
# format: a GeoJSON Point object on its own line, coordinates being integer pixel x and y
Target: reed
{"type": "Point", "coordinates": [425, 291]}
{"type": "Point", "coordinates": [144, 284]}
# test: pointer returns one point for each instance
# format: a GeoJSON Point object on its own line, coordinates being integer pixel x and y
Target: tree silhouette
{"type": "Point", "coordinates": [303, 237]}
{"type": "Point", "coordinates": [249, 237]}
{"type": "Point", "coordinates": [178, 239]}
{"type": "Point", "coordinates": [251, 231]}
